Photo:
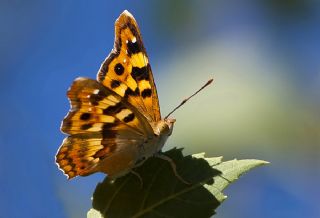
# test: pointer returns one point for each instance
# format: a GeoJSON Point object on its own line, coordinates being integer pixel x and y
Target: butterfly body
{"type": "Point", "coordinates": [130, 157]}
{"type": "Point", "coordinates": [114, 122]}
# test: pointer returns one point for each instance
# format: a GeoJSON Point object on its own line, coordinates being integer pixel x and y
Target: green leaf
{"type": "Point", "coordinates": [162, 194]}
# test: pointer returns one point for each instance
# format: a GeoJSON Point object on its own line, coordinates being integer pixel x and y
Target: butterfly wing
{"type": "Point", "coordinates": [102, 127]}
{"type": "Point", "coordinates": [127, 71]}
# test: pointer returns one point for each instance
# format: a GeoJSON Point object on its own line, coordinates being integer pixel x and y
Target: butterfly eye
{"type": "Point", "coordinates": [164, 127]}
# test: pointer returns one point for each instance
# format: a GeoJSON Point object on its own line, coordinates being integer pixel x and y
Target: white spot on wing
{"type": "Point", "coordinates": [134, 39]}
{"type": "Point", "coordinates": [96, 91]}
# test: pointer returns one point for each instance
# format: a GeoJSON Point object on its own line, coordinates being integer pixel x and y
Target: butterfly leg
{"type": "Point", "coordinates": [139, 163]}
{"type": "Point", "coordinates": [138, 176]}
{"type": "Point", "coordinates": [173, 166]}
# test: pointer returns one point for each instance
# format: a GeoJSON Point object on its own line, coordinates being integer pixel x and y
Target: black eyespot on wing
{"type": "Point", "coordinates": [95, 98]}
{"type": "Point", "coordinates": [115, 83]}
{"type": "Point", "coordinates": [133, 47]}
{"type": "Point", "coordinates": [119, 69]}
{"type": "Point", "coordinates": [86, 126]}
{"type": "Point", "coordinates": [111, 110]}
{"type": "Point", "coordinates": [146, 93]}
{"type": "Point", "coordinates": [128, 118]}
{"type": "Point", "coordinates": [85, 116]}
{"type": "Point", "coordinates": [140, 73]}
{"type": "Point", "coordinates": [129, 92]}
{"type": "Point", "coordinates": [106, 127]}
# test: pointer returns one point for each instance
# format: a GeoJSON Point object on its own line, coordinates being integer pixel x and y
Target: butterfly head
{"type": "Point", "coordinates": [169, 123]}
{"type": "Point", "coordinates": [164, 127]}
{"type": "Point", "coordinates": [162, 130]}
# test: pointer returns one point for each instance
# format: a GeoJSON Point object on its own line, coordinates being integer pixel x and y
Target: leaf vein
{"type": "Point", "coordinates": [115, 194]}
{"type": "Point", "coordinates": [150, 186]}
{"type": "Point", "coordinates": [151, 207]}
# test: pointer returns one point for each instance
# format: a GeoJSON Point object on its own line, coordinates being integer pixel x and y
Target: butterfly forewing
{"type": "Point", "coordinates": [95, 108]}
{"type": "Point", "coordinates": [127, 71]}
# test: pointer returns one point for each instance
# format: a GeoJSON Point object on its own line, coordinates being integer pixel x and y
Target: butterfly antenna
{"type": "Point", "coordinates": [185, 100]}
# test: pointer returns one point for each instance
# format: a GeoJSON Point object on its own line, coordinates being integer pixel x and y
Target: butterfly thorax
{"type": "Point", "coordinates": [162, 130]}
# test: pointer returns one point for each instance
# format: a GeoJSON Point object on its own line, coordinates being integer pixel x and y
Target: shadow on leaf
{"type": "Point", "coordinates": [162, 193]}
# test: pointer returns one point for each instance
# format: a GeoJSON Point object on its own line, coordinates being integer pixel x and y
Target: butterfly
{"type": "Point", "coordinates": [114, 122]}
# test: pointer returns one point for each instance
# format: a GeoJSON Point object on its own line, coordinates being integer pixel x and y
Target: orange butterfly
{"type": "Point", "coordinates": [114, 123]}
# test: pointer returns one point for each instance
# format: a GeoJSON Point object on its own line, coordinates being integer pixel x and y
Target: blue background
{"type": "Point", "coordinates": [264, 56]}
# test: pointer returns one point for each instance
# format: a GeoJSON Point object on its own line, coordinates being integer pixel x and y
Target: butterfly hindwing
{"type": "Point", "coordinates": [99, 123]}
{"type": "Point", "coordinates": [81, 156]}
{"type": "Point", "coordinates": [127, 71]}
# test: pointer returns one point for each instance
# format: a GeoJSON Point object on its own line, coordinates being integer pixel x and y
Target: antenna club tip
{"type": "Point", "coordinates": [209, 82]}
